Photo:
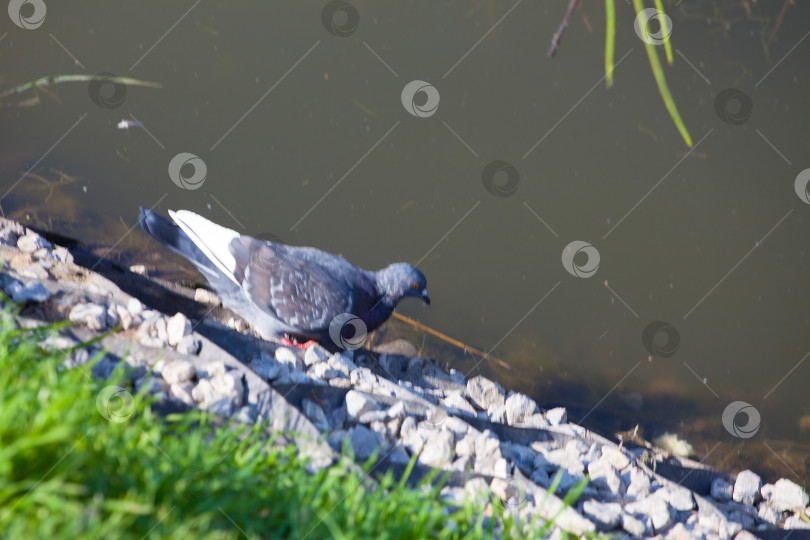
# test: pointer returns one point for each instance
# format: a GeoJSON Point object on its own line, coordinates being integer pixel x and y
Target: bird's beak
{"type": "Point", "coordinates": [425, 296]}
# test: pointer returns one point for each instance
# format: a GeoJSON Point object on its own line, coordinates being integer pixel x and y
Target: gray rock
{"type": "Point", "coordinates": [29, 292]}
{"type": "Point", "coordinates": [557, 416]}
{"type": "Point", "coordinates": [399, 455]}
{"type": "Point", "coordinates": [364, 442]}
{"type": "Point", "coordinates": [230, 385]}
{"type": "Point", "coordinates": [335, 439]}
{"type": "Point", "coordinates": [315, 413]}
{"type": "Point", "coordinates": [189, 345]}
{"type": "Point", "coordinates": [787, 495]}
{"type": "Point", "coordinates": [537, 420]}
{"type": "Point", "coordinates": [285, 355]}
{"type": "Point", "coordinates": [182, 393]}
{"type": "Point", "coordinates": [397, 410]}
{"type": "Point", "coordinates": [364, 379]}
{"type": "Point", "coordinates": [162, 329]}
{"type": "Point", "coordinates": [796, 522]}
{"type": "Point", "coordinates": [322, 370]}
{"type": "Point", "coordinates": [466, 446]}
{"type": "Point", "coordinates": [605, 477]}
{"type": "Point", "coordinates": [541, 478]}
{"type": "Point", "coordinates": [606, 516]}
{"type": "Point", "coordinates": [31, 242]}
{"type": "Point", "coordinates": [746, 488]}
{"type": "Point", "coordinates": [357, 404]}
{"type": "Point", "coordinates": [177, 327]}
{"type": "Point", "coordinates": [372, 416]}
{"type": "Point", "coordinates": [177, 371]}
{"type": "Point", "coordinates": [134, 306]}
{"type": "Point", "coordinates": [340, 382]}
{"type": "Point", "coordinates": [438, 449]}
{"type": "Point", "coordinates": [342, 363]}
{"type": "Point", "coordinates": [93, 316]}
{"type": "Point", "coordinates": [768, 513]}
{"type": "Point", "coordinates": [654, 508]}
{"type": "Point", "coordinates": [485, 393]}
{"type": "Point", "coordinates": [721, 490]}
{"type": "Point", "coordinates": [639, 484]}
{"type": "Point", "coordinates": [315, 354]}
{"type": "Point", "coordinates": [265, 367]}
{"type": "Point", "coordinates": [455, 400]}
{"type": "Point", "coordinates": [61, 254]}
{"type": "Point", "coordinates": [211, 370]}
{"type": "Point", "coordinates": [677, 497]}
{"type": "Point", "coordinates": [518, 407]}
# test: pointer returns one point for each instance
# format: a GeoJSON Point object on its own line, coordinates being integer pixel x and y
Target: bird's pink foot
{"type": "Point", "coordinates": [291, 343]}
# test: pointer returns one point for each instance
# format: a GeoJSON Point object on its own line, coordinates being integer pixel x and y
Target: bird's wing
{"type": "Point", "coordinates": [290, 286]}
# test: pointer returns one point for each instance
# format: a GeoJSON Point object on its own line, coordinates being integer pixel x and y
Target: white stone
{"type": "Point", "coordinates": [31, 242]}
{"type": "Point", "coordinates": [606, 515]}
{"type": "Point", "coordinates": [438, 450]}
{"type": "Point", "coordinates": [92, 315]}
{"type": "Point", "coordinates": [364, 442]}
{"type": "Point", "coordinates": [484, 393]}
{"type": "Point", "coordinates": [746, 487]}
{"type": "Point", "coordinates": [788, 495]}
{"type": "Point", "coordinates": [557, 416]}
{"type": "Point", "coordinates": [183, 393]}
{"type": "Point", "coordinates": [358, 403]}
{"type": "Point", "coordinates": [315, 413]}
{"type": "Point", "coordinates": [721, 490]}
{"type": "Point", "coordinates": [518, 407]}
{"type": "Point", "coordinates": [314, 354]}
{"type": "Point", "coordinates": [177, 327]}
{"type": "Point", "coordinates": [285, 355]}
{"type": "Point", "coordinates": [189, 345]}
{"type": "Point", "coordinates": [177, 371]}
{"type": "Point", "coordinates": [322, 370]}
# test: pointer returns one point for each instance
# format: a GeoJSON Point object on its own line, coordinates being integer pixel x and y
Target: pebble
{"type": "Point", "coordinates": [746, 488]}
{"type": "Point", "coordinates": [285, 355]}
{"type": "Point", "coordinates": [342, 363]}
{"type": "Point", "coordinates": [93, 316]}
{"type": "Point", "coordinates": [31, 242]}
{"type": "Point", "coordinates": [315, 354]}
{"type": "Point", "coordinates": [484, 393]}
{"type": "Point", "coordinates": [182, 392]}
{"type": "Point", "coordinates": [322, 370]}
{"type": "Point", "coordinates": [438, 450]}
{"type": "Point", "coordinates": [557, 416]}
{"type": "Point", "coordinates": [721, 490]}
{"type": "Point", "coordinates": [455, 400]}
{"type": "Point", "coordinates": [177, 327]}
{"type": "Point", "coordinates": [189, 345]}
{"type": "Point", "coordinates": [654, 508]}
{"type": "Point", "coordinates": [358, 403]}
{"type": "Point", "coordinates": [518, 407]}
{"type": "Point", "coordinates": [30, 292]}
{"type": "Point", "coordinates": [315, 413]}
{"type": "Point", "coordinates": [265, 367]}
{"type": "Point", "coordinates": [364, 442]}
{"type": "Point", "coordinates": [177, 371]}
{"type": "Point", "coordinates": [606, 516]}
{"type": "Point", "coordinates": [787, 495]}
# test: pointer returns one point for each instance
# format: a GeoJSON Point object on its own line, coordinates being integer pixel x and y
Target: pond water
{"type": "Point", "coordinates": [564, 227]}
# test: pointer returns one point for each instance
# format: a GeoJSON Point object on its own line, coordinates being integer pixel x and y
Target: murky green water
{"type": "Point", "coordinates": [305, 137]}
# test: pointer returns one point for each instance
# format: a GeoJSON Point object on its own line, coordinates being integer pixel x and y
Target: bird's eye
{"type": "Point", "coordinates": [414, 285]}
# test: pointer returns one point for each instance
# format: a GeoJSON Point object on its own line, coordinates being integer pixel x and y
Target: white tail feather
{"type": "Point", "coordinates": [212, 239]}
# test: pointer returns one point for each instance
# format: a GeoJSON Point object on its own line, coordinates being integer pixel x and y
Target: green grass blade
{"type": "Point", "coordinates": [665, 30]}
{"type": "Point", "coordinates": [610, 40]}
{"type": "Point", "coordinates": [661, 81]}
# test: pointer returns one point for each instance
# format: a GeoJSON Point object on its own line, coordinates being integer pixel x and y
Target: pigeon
{"type": "Point", "coordinates": [288, 293]}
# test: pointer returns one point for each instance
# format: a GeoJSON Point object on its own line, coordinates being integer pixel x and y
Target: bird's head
{"type": "Point", "coordinates": [400, 280]}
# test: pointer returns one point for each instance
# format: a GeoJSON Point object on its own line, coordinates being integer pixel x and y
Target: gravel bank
{"type": "Point", "coordinates": [499, 445]}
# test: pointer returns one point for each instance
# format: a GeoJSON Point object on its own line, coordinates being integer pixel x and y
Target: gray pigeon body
{"type": "Point", "coordinates": [285, 290]}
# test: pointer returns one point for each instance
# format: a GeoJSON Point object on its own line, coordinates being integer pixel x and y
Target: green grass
{"type": "Point", "coordinates": [68, 472]}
